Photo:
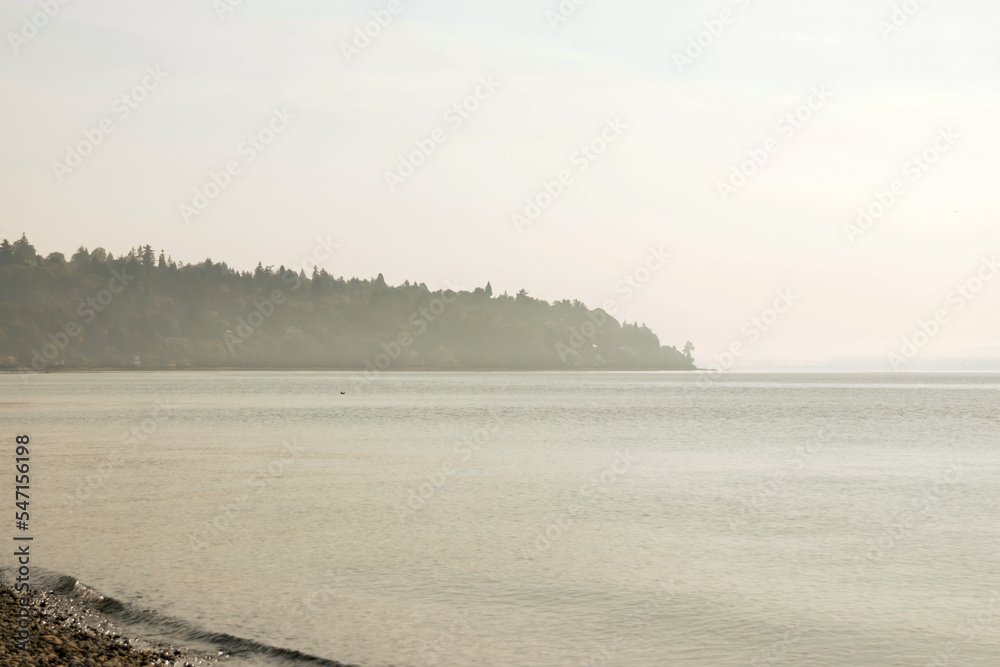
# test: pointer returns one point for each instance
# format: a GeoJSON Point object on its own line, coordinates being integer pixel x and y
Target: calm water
{"type": "Point", "coordinates": [537, 519]}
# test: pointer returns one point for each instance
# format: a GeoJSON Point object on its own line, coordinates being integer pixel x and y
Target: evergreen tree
{"type": "Point", "coordinates": [24, 252]}
{"type": "Point", "coordinates": [180, 315]}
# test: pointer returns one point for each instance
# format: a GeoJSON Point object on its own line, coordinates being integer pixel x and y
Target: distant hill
{"type": "Point", "coordinates": [94, 310]}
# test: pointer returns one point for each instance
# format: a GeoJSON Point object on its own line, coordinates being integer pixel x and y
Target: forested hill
{"type": "Point", "coordinates": [145, 310]}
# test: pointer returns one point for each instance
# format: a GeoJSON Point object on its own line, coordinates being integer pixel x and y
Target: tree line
{"type": "Point", "coordinates": [145, 310]}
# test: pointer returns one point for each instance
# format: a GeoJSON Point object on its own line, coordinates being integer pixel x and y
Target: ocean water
{"type": "Point", "coordinates": [535, 519]}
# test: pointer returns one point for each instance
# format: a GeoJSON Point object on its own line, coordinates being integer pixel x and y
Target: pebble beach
{"type": "Point", "coordinates": [62, 633]}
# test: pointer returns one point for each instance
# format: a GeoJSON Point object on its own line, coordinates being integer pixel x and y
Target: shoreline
{"type": "Point", "coordinates": [72, 624]}
{"type": "Point", "coordinates": [320, 369]}
{"type": "Point", "coordinates": [64, 632]}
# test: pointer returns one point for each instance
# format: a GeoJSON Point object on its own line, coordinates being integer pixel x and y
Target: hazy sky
{"type": "Point", "coordinates": [833, 104]}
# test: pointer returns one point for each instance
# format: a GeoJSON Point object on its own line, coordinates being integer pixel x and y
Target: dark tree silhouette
{"type": "Point", "coordinates": [138, 310]}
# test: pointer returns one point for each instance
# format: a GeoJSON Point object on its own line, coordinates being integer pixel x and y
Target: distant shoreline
{"type": "Point", "coordinates": [411, 369]}
{"type": "Point", "coordinates": [361, 371]}
{"type": "Point", "coordinates": [140, 312]}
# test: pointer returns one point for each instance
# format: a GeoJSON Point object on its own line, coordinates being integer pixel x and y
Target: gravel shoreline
{"type": "Point", "coordinates": [66, 633]}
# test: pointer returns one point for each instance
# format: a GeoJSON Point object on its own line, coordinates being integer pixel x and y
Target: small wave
{"type": "Point", "coordinates": [126, 613]}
